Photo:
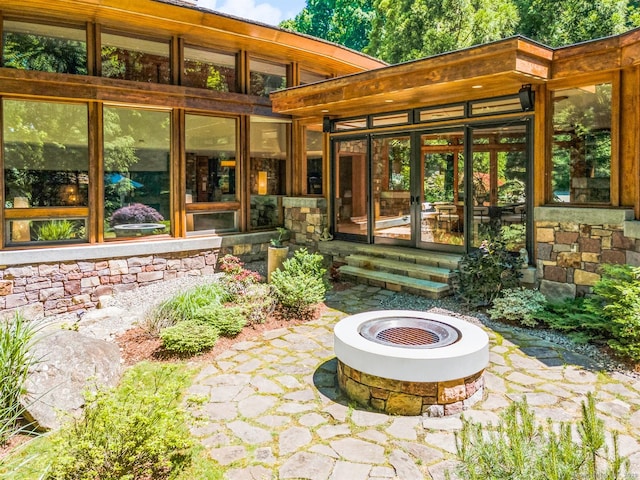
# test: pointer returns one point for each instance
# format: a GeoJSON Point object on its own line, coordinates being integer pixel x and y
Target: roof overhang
{"type": "Point", "coordinates": [494, 69]}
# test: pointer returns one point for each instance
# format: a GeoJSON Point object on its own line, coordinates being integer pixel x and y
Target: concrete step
{"type": "Point", "coordinates": [397, 283]}
{"type": "Point", "coordinates": [424, 272]}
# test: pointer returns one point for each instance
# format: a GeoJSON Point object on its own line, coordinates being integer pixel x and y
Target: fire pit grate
{"type": "Point", "coordinates": [409, 332]}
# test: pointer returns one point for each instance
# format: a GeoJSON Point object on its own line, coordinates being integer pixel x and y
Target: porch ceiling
{"type": "Point", "coordinates": [499, 68]}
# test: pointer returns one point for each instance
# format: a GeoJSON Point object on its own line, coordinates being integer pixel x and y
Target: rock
{"type": "Point", "coordinates": [106, 323]}
{"type": "Point", "coordinates": [69, 364]}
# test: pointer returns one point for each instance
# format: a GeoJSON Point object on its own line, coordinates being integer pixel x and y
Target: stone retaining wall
{"type": "Point", "coordinates": [305, 218]}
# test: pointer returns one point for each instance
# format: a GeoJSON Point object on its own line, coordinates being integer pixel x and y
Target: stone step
{"type": "Point", "coordinates": [397, 283]}
{"type": "Point", "coordinates": [424, 272]}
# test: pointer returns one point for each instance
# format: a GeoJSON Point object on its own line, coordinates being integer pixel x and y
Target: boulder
{"type": "Point", "coordinates": [68, 365]}
{"type": "Point", "coordinates": [107, 323]}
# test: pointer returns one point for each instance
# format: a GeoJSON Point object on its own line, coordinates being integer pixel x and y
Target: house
{"type": "Point", "coordinates": [141, 140]}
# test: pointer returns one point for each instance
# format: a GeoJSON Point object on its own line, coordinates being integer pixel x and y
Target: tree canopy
{"type": "Point", "coordinates": [401, 30]}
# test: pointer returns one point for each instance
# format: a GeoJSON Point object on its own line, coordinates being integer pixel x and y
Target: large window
{"type": "Point", "coordinates": [267, 77]}
{"type": "Point", "coordinates": [130, 58]}
{"type": "Point", "coordinates": [209, 69]}
{"type": "Point", "coordinates": [46, 170]}
{"type": "Point", "coordinates": [268, 170]}
{"type": "Point", "coordinates": [211, 180]}
{"type": "Point", "coordinates": [136, 172]}
{"type": "Point", "coordinates": [47, 48]}
{"type": "Point", "coordinates": [313, 155]}
{"type": "Point", "coordinates": [582, 144]}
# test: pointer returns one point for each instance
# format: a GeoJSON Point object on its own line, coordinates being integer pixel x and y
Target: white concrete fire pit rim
{"type": "Point", "coordinates": [465, 358]}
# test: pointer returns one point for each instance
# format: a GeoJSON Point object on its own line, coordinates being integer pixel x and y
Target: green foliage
{"type": "Point", "coordinates": [57, 230]}
{"type": "Point", "coordinates": [484, 273]}
{"type": "Point", "coordinates": [300, 285]}
{"type": "Point", "coordinates": [136, 432]}
{"type": "Point", "coordinates": [257, 302]}
{"type": "Point", "coordinates": [17, 337]}
{"type": "Point", "coordinates": [573, 318]}
{"type": "Point", "coordinates": [519, 449]}
{"type": "Point", "coordinates": [227, 320]}
{"type": "Point", "coordinates": [277, 241]}
{"type": "Point", "coordinates": [189, 337]}
{"type": "Point", "coordinates": [513, 236]}
{"type": "Point", "coordinates": [518, 305]}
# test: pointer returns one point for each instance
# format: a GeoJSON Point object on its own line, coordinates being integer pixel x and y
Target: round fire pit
{"type": "Point", "coordinates": [410, 363]}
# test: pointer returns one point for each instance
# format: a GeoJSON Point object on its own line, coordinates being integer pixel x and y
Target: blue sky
{"type": "Point", "coordinates": [271, 12]}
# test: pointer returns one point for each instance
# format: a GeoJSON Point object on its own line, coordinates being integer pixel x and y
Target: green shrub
{"type": "Point", "coordinates": [258, 303]}
{"type": "Point", "coordinates": [184, 305]}
{"type": "Point", "coordinates": [136, 432]}
{"type": "Point", "coordinates": [573, 318]}
{"type": "Point", "coordinates": [484, 273]}
{"type": "Point", "coordinates": [57, 230]}
{"type": "Point", "coordinates": [518, 305]}
{"type": "Point", "coordinates": [228, 321]}
{"type": "Point", "coordinates": [300, 285]}
{"type": "Point", "coordinates": [189, 337]}
{"type": "Point", "coordinates": [519, 449]}
{"type": "Point", "coordinates": [17, 338]}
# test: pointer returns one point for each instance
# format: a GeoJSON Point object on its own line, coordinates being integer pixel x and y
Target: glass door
{"type": "Point", "coordinates": [391, 189]}
{"type": "Point", "coordinates": [441, 190]}
{"type": "Point", "coordinates": [351, 186]}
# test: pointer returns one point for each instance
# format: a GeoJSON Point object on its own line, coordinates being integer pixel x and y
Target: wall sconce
{"type": "Point", "coordinates": [526, 98]}
{"type": "Point", "coordinates": [69, 194]}
{"type": "Point", "coordinates": [262, 182]}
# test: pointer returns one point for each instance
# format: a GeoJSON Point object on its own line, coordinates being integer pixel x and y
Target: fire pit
{"type": "Point", "coordinates": [410, 363]}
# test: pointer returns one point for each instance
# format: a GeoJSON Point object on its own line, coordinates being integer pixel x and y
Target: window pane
{"type": "Point", "coordinates": [268, 170]}
{"type": "Point", "coordinates": [353, 124]}
{"type": "Point", "coordinates": [58, 231]}
{"type": "Point", "coordinates": [211, 159]}
{"type": "Point", "coordinates": [46, 154]}
{"type": "Point", "coordinates": [493, 107]}
{"type": "Point", "coordinates": [307, 77]}
{"type": "Point", "coordinates": [33, 46]}
{"type": "Point", "coordinates": [442, 113]}
{"type": "Point", "coordinates": [582, 144]}
{"type": "Point", "coordinates": [207, 69]}
{"type": "Point", "coordinates": [129, 58]}
{"type": "Point", "coordinates": [267, 77]}
{"type": "Point", "coordinates": [393, 119]}
{"type": "Point", "coordinates": [136, 172]}
{"type": "Point", "coordinates": [313, 153]}
{"type": "Point", "coordinates": [215, 222]}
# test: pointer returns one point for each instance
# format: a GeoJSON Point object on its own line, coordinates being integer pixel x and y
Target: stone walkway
{"type": "Point", "coordinates": [270, 409]}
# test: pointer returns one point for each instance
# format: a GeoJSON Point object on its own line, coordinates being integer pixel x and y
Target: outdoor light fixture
{"type": "Point", "coordinates": [526, 98]}
{"type": "Point", "coordinates": [262, 182]}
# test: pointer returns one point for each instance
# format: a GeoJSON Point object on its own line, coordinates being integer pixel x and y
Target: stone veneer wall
{"type": "Point", "coordinates": [305, 218]}
{"type": "Point", "coordinates": [572, 243]}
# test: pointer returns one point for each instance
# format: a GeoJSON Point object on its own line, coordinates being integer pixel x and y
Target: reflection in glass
{"type": "Point", "coordinates": [72, 230]}
{"type": "Point", "coordinates": [269, 154]}
{"type": "Point", "coordinates": [46, 48]}
{"type": "Point", "coordinates": [582, 144]}
{"type": "Point", "coordinates": [208, 69]}
{"type": "Point", "coordinates": [266, 77]}
{"type": "Point", "coordinates": [136, 171]}
{"type": "Point", "coordinates": [214, 222]}
{"type": "Point", "coordinates": [46, 154]}
{"type": "Point", "coordinates": [129, 58]}
{"type": "Point", "coordinates": [313, 153]}
{"type": "Point", "coordinates": [350, 179]}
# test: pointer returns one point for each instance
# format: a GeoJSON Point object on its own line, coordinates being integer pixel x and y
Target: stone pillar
{"type": "Point", "coordinates": [305, 218]}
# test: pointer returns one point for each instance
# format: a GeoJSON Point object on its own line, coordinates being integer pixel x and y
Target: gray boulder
{"type": "Point", "coordinates": [68, 364]}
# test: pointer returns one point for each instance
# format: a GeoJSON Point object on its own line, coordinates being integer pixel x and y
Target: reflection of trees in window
{"type": "Point", "coordinates": [205, 75]}
{"type": "Point", "coordinates": [399, 164]}
{"type": "Point", "coordinates": [262, 84]}
{"type": "Point", "coordinates": [136, 65]}
{"type": "Point", "coordinates": [44, 53]}
{"type": "Point", "coordinates": [582, 144]}
{"type": "Point", "coordinates": [46, 153]}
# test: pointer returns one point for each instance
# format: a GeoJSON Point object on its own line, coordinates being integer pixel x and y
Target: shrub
{"type": "Point", "coordinates": [236, 279]}
{"type": "Point", "coordinates": [517, 448]}
{"type": "Point", "coordinates": [135, 213]}
{"type": "Point", "coordinates": [300, 285]}
{"type": "Point", "coordinates": [57, 230]}
{"type": "Point", "coordinates": [484, 273]}
{"type": "Point", "coordinates": [258, 302]}
{"type": "Point", "coordinates": [17, 337]}
{"type": "Point", "coordinates": [189, 337]}
{"type": "Point", "coordinates": [228, 321]}
{"type": "Point", "coordinates": [518, 305]}
{"type": "Point", "coordinates": [136, 432]}
{"type": "Point", "coordinates": [573, 318]}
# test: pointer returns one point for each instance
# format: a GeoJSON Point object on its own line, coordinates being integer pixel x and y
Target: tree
{"type": "Point", "coordinates": [347, 22]}
{"type": "Point", "coordinates": [407, 29]}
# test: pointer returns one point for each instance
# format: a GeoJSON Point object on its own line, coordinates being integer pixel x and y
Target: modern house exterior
{"type": "Point", "coordinates": [140, 140]}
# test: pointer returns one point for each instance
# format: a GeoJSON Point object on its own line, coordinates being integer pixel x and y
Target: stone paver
{"type": "Point", "coordinates": [271, 409]}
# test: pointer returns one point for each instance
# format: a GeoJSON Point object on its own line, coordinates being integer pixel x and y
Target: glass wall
{"type": "Point", "coordinates": [314, 163]}
{"type": "Point", "coordinates": [129, 58]}
{"type": "Point", "coordinates": [46, 166]}
{"type": "Point", "coordinates": [136, 172]}
{"type": "Point", "coordinates": [209, 69]}
{"type": "Point", "coordinates": [350, 187]}
{"type": "Point", "coordinates": [581, 163]}
{"type": "Point", "coordinates": [47, 48]}
{"type": "Point", "coordinates": [268, 164]}
{"type": "Point", "coordinates": [266, 77]}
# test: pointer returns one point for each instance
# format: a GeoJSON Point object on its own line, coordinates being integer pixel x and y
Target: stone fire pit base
{"type": "Point", "coordinates": [396, 397]}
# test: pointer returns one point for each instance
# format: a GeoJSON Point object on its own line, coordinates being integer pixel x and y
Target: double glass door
{"type": "Point", "coordinates": [420, 189]}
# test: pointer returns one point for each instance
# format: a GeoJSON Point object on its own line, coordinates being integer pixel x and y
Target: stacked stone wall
{"type": "Point", "coordinates": [305, 218]}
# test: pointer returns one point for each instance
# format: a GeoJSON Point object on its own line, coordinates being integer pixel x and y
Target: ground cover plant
{"type": "Point", "coordinates": [519, 449]}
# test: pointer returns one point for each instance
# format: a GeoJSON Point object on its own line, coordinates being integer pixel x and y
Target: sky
{"type": "Point", "coordinates": [270, 12]}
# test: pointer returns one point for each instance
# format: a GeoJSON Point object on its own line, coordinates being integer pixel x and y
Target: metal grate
{"type": "Point", "coordinates": [408, 336]}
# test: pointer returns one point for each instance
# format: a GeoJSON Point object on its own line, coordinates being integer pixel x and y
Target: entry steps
{"type": "Point", "coordinates": [395, 268]}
